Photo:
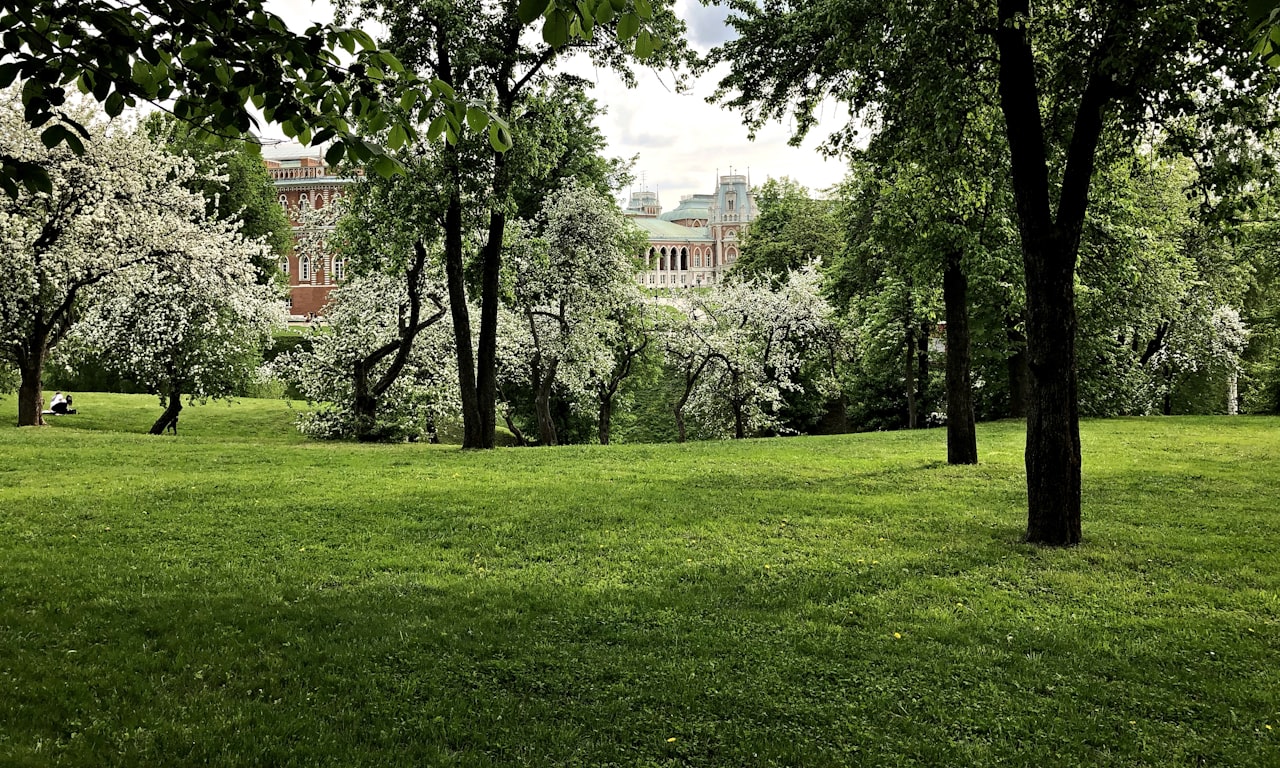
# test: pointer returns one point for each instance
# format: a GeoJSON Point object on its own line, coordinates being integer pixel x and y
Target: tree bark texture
{"type": "Point", "coordinates": [962, 437]}
{"type": "Point", "coordinates": [30, 390]}
{"type": "Point", "coordinates": [605, 421]}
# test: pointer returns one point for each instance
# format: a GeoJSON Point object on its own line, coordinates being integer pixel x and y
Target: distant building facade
{"type": "Point", "coordinates": [303, 180]}
{"type": "Point", "coordinates": [697, 242]}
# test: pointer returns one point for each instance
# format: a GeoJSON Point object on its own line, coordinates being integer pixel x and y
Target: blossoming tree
{"type": "Point", "coordinates": [110, 213]}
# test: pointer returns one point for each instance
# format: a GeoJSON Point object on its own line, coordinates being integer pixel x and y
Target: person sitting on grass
{"type": "Point", "coordinates": [61, 405]}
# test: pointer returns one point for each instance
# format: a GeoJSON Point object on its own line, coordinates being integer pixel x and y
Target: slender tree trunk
{"type": "Point", "coordinates": [1233, 393]}
{"type": "Point", "coordinates": [490, 269]}
{"type": "Point", "coordinates": [511, 425]}
{"type": "Point", "coordinates": [30, 391]}
{"type": "Point", "coordinates": [962, 437]}
{"type": "Point", "coordinates": [543, 386]}
{"type": "Point", "coordinates": [679, 411]}
{"type": "Point", "coordinates": [739, 421]}
{"type": "Point", "coordinates": [922, 373]}
{"type": "Point", "coordinates": [455, 280]}
{"type": "Point", "coordinates": [605, 421]}
{"type": "Point", "coordinates": [909, 373]}
{"type": "Point", "coordinates": [173, 406]}
{"type": "Point", "coordinates": [366, 405]}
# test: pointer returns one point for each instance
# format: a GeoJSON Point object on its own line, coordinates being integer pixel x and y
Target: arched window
{"type": "Point", "coordinates": [304, 269]}
{"type": "Point", "coordinates": [284, 202]}
{"type": "Point", "coordinates": [730, 200]}
{"type": "Point", "coordinates": [303, 200]}
{"type": "Point", "coordinates": [662, 260]}
{"type": "Point", "coordinates": [684, 258]}
{"type": "Point", "coordinates": [653, 259]}
{"type": "Point", "coordinates": [731, 256]}
{"type": "Point", "coordinates": [284, 267]}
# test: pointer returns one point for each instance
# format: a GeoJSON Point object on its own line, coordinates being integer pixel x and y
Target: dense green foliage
{"type": "Point", "coordinates": [239, 595]}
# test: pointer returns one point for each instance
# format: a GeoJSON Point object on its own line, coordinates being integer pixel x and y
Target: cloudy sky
{"type": "Point", "coordinates": [681, 140]}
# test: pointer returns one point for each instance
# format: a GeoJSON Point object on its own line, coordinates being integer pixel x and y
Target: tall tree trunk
{"type": "Point", "coordinates": [909, 374]}
{"type": "Point", "coordinates": [173, 406]}
{"type": "Point", "coordinates": [1233, 393]}
{"type": "Point", "coordinates": [739, 421]}
{"type": "Point", "coordinates": [30, 392]}
{"type": "Point", "coordinates": [962, 436]}
{"type": "Point", "coordinates": [455, 280]}
{"type": "Point", "coordinates": [1050, 245]}
{"type": "Point", "coordinates": [490, 269]}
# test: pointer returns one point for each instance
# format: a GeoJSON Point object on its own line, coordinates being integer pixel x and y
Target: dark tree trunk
{"type": "Point", "coordinates": [922, 373]}
{"type": "Point", "coordinates": [1050, 244]}
{"type": "Point", "coordinates": [169, 419]}
{"type": "Point", "coordinates": [679, 411]}
{"type": "Point", "coordinates": [1053, 419]}
{"type": "Point", "coordinates": [30, 391]}
{"type": "Point", "coordinates": [515, 431]}
{"type": "Point", "coordinates": [739, 421]}
{"type": "Point", "coordinates": [490, 269]}
{"type": "Point", "coordinates": [366, 405]}
{"type": "Point", "coordinates": [543, 384]}
{"type": "Point", "coordinates": [909, 374]}
{"type": "Point", "coordinates": [962, 437]}
{"type": "Point", "coordinates": [455, 280]}
{"type": "Point", "coordinates": [605, 421]}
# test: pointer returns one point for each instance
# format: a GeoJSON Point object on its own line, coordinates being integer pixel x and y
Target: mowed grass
{"type": "Point", "coordinates": [237, 596]}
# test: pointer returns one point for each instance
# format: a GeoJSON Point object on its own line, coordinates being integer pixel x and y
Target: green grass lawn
{"type": "Point", "coordinates": [238, 596]}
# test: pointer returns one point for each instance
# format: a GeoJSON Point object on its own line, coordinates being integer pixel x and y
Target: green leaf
{"type": "Point", "coordinates": [499, 136]}
{"type": "Point", "coordinates": [36, 180]}
{"type": "Point", "coordinates": [529, 10]}
{"type": "Point", "coordinates": [408, 99]}
{"type": "Point", "coordinates": [628, 26]}
{"type": "Point", "coordinates": [477, 118]}
{"type": "Point", "coordinates": [386, 167]}
{"type": "Point", "coordinates": [644, 44]}
{"type": "Point", "coordinates": [604, 12]}
{"type": "Point", "coordinates": [398, 137]}
{"type": "Point", "coordinates": [644, 10]}
{"type": "Point", "coordinates": [436, 128]}
{"type": "Point", "coordinates": [555, 31]}
{"type": "Point", "coordinates": [114, 104]}
{"type": "Point", "coordinates": [334, 154]}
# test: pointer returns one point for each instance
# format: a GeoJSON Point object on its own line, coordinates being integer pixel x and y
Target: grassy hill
{"type": "Point", "coordinates": [238, 596]}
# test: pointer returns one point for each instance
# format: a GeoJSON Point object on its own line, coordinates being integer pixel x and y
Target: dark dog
{"type": "Point", "coordinates": [172, 426]}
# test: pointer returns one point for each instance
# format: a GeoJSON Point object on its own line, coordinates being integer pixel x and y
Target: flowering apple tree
{"type": "Point", "coordinates": [742, 346]}
{"type": "Point", "coordinates": [109, 213]}
{"type": "Point", "coordinates": [193, 326]}
{"type": "Point", "coordinates": [572, 277]}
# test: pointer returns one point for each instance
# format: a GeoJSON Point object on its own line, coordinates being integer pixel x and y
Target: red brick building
{"type": "Point", "coordinates": [303, 180]}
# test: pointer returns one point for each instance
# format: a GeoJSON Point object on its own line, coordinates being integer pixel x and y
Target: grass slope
{"type": "Point", "coordinates": [237, 596]}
